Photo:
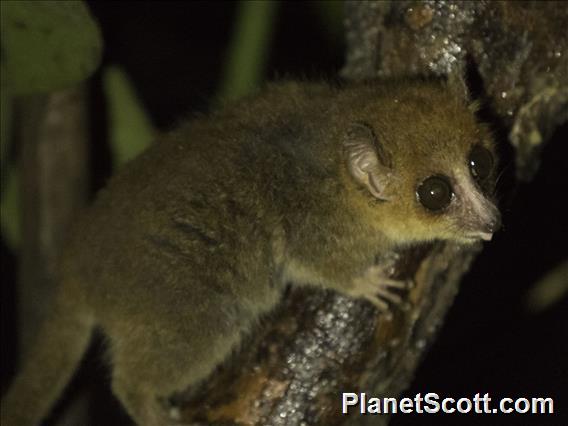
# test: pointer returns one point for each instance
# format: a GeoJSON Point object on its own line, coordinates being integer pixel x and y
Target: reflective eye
{"type": "Point", "coordinates": [480, 163]}
{"type": "Point", "coordinates": [435, 193]}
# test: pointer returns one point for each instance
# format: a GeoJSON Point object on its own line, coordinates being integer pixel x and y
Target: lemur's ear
{"type": "Point", "coordinates": [367, 160]}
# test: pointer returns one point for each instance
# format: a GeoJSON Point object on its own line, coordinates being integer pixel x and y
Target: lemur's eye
{"type": "Point", "coordinates": [480, 163]}
{"type": "Point", "coordinates": [435, 193]}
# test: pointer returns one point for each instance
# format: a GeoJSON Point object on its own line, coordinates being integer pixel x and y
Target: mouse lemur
{"type": "Point", "coordinates": [176, 258]}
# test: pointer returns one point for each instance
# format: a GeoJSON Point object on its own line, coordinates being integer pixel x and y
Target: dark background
{"type": "Point", "coordinates": [490, 343]}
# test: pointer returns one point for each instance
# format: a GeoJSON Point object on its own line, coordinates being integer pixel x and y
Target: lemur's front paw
{"type": "Point", "coordinates": [376, 286]}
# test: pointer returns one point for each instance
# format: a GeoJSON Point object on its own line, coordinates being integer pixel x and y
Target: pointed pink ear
{"type": "Point", "coordinates": [367, 161]}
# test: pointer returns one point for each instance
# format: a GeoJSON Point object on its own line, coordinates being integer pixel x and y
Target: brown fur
{"type": "Point", "coordinates": [193, 240]}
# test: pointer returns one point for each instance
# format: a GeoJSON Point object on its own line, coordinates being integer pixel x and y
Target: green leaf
{"type": "Point", "coordinates": [5, 120]}
{"type": "Point", "coordinates": [131, 131]}
{"type": "Point", "coordinates": [248, 52]}
{"type": "Point", "coordinates": [549, 289]}
{"type": "Point", "coordinates": [48, 45]}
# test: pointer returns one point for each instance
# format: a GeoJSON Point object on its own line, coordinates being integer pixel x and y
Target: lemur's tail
{"type": "Point", "coordinates": [48, 365]}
